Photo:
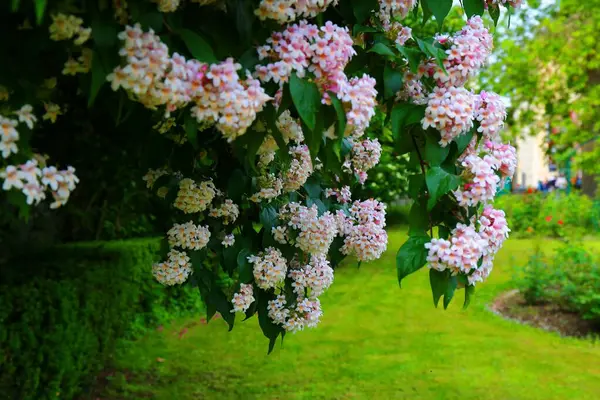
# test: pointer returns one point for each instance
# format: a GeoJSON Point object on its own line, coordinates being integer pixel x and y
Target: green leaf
{"type": "Point", "coordinates": [439, 182]}
{"type": "Point", "coordinates": [392, 81]}
{"type": "Point", "coordinates": [221, 303]}
{"type": "Point", "coordinates": [404, 114]}
{"type": "Point", "coordinates": [450, 288]}
{"type": "Point", "coordinates": [268, 216]}
{"type": "Point", "coordinates": [306, 99]}
{"type": "Point", "coordinates": [15, 5]}
{"type": "Point", "coordinates": [418, 219]}
{"type": "Point", "coordinates": [236, 186]}
{"type": "Point", "coordinates": [463, 141]}
{"type": "Point", "coordinates": [439, 9]}
{"type": "Point", "coordinates": [415, 185]}
{"type": "Point", "coordinates": [363, 29]}
{"type": "Point", "coordinates": [363, 9]}
{"type": "Point", "coordinates": [382, 49]}
{"type": "Point", "coordinates": [469, 291]}
{"type": "Point", "coordinates": [412, 55]}
{"type": "Point", "coordinates": [104, 32]}
{"type": "Point", "coordinates": [426, 11]}
{"type": "Point", "coordinates": [494, 13]}
{"type": "Point", "coordinates": [313, 188]}
{"type": "Point", "coordinates": [197, 46]}
{"type": "Point", "coordinates": [438, 281]}
{"type": "Point", "coordinates": [434, 154]}
{"type": "Point", "coordinates": [435, 52]}
{"type": "Point", "coordinates": [411, 257]}
{"type": "Point", "coordinates": [190, 124]}
{"type": "Point", "coordinates": [341, 116]}
{"type": "Point", "coordinates": [152, 20]}
{"type": "Point", "coordinates": [99, 74]}
{"type": "Point", "coordinates": [473, 7]}
{"type": "Point", "coordinates": [40, 9]}
{"type": "Point", "coordinates": [269, 329]}
{"type": "Point", "coordinates": [245, 267]}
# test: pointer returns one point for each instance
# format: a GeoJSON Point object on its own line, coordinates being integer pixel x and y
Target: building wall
{"type": "Point", "coordinates": [532, 165]}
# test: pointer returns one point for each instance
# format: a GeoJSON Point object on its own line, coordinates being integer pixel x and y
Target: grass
{"type": "Point", "coordinates": [375, 341]}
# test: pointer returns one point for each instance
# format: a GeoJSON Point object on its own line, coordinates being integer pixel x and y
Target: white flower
{"type": "Point", "coordinates": [11, 178]}
{"type": "Point", "coordinates": [25, 115]}
{"type": "Point", "coordinates": [51, 177]}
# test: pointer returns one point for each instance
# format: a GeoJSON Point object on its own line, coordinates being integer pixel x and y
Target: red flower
{"type": "Point", "coordinates": [560, 222]}
{"type": "Point", "coordinates": [549, 218]}
{"type": "Point", "coordinates": [530, 190]}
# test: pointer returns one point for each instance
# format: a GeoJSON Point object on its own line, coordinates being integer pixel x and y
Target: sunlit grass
{"type": "Point", "coordinates": [375, 341]}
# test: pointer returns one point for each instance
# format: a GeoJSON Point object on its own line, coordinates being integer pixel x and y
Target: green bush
{"type": "Point", "coordinates": [62, 313]}
{"type": "Point", "coordinates": [569, 278]}
{"type": "Point", "coordinates": [553, 214]}
{"type": "Point", "coordinates": [397, 213]}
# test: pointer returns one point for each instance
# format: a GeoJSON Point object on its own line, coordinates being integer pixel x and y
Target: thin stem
{"type": "Point", "coordinates": [422, 164]}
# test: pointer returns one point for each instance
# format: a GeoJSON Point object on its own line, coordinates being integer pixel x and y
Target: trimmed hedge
{"type": "Point", "coordinates": [63, 311]}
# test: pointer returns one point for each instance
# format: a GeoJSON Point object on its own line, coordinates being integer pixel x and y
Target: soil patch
{"type": "Point", "coordinates": [546, 316]}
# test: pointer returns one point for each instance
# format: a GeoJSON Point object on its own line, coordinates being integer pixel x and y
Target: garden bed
{"type": "Point", "coordinates": [546, 316]}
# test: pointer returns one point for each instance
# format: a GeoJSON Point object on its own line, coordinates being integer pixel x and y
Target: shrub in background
{"type": "Point", "coordinates": [570, 278]}
{"type": "Point", "coordinates": [552, 214]}
{"type": "Point", "coordinates": [63, 312]}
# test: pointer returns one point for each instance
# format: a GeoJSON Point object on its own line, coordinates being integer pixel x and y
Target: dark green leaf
{"type": "Point", "coordinates": [438, 281]}
{"type": "Point", "coordinates": [415, 185]}
{"type": "Point", "coordinates": [15, 5]}
{"type": "Point", "coordinates": [268, 216]}
{"type": "Point", "coordinates": [411, 257]}
{"type": "Point", "coordinates": [463, 141]}
{"type": "Point", "coordinates": [198, 47]}
{"type": "Point", "coordinates": [99, 74]}
{"type": "Point", "coordinates": [438, 54]}
{"type": "Point", "coordinates": [413, 56]}
{"type": "Point", "coordinates": [439, 182]}
{"type": "Point", "coordinates": [313, 188]}
{"type": "Point", "coordinates": [363, 9]}
{"type": "Point", "coordinates": [426, 11]}
{"type": "Point", "coordinates": [392, 81]}
{"type": "Point", "coordinates": [306, 99]}
{"type": "Point", "coordinates": [245, 267]}
{"type": "Point", "coordinates": [443, 232]}
{"type": "Point", "coordinates": [269, 329]}
{"type": "Point", "coordinates": [341, 115]}
{"type": "Point", "coordinates": [418, 219]}
{"type": "Point", "coordinates": [450, 288]}
{"type": "Point", "coordinates": [382, 49]}
{"type": "Point", "coordinates": [473, 7]}
{"type": "Point", "coordinates": [191, 129]}
{"type": "Point", "coordinates": [439, 9]}
{"type": "Point", "coordinates": [494, 13]}
{"type": "Point", "coordinates": [434, 154]}
{"type": "Point", "coordinates": [104, 33]}
{"type": "Point", "coordinates": [152, 20]}
{"type": "Point", "coordinates": [221, 303]}
{"type": "Point", "coordinates": [236, 187]}
{"type": "Point", "coordinates": [362, 28]}
{"type": "Point", "coordinates": [40, 9]}
{"type": "Point", "coordinates": [469, 291]}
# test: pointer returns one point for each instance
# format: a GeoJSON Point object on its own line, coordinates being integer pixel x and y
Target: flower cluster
{"type": "Point", "coordinates": [394, 9]}
{"type": "Point", "coordinates": [188, 236]}
{"type": "Point", "coordinates": [506, 3]}
{"type": "Point", "coordinates": [194, 198]}
{"type": "Point", "coordinates": [482, 181]}
{"type": "Point", "coordinates": [490, 111]}
{"type": "Point", "coordinates": [470, 251]}
{"type": "Point", "coordinates": [155, 79]}
{"type": "Point", "coordinates": [450, 111]}
{"type": "Point", "coordinates": [152, 176]}
{"type": "Point", "coordinates": [404, 35]}
{"type": "Point", "coordinates": [34, 182]}
{"type": "Point", "coordinates": [364, 228]}
{"type": "Point", "coordinates": [228, 240]}
{"type": "Point", "coordinates": [314, 233]}
{"type": "Point", "coordinates": [306, 313]}
{"type": "Point", "coordinates": [243, 299]}
{"type": "Point", "coordinates": [228, 210]}
{"type": "Point", "coordinates": [300, 168]}
{"type": "Point", "coordinates": [270, 187]}
{"type": "Point", "coordinates": [66, 27]}
{"type": "Point", "coordinates": [412, 89]}
{"type": "Point", "coordinates": [289, 10]}
{"type": "Point", "coordinates": [269, 268]}
{"type": "Point", "coordinates": [365, 154]}
{"type": "Point", "coordinates": [81, 65]}
{"type": "Point", "coordinates": [175, 270]}
{"type": "Point", "coordinates": [316, 277]}
{"type": "Point", "coordinates": [506, 157]}
{"type": "Point", "coordinates": [344, 195]}
{"type": "Point", "coordinates": [325, 52]}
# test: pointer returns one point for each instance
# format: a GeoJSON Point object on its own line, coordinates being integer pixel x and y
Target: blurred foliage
{"type": "Point", "coordinates": [62, 313]}
{"type": "Point", "coordinates": [569, 278]}
{"type": "Point", "coordinates": [549, 67]}
{"type": "Point", "coordinates": [553, 214]}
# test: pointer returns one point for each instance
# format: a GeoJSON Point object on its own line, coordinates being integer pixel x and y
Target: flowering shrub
{"type": "Point", "coordinates": [271, 130]}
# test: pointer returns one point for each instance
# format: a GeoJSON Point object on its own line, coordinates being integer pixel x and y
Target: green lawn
{"type": "Point", "coordinates": [375, 341]}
